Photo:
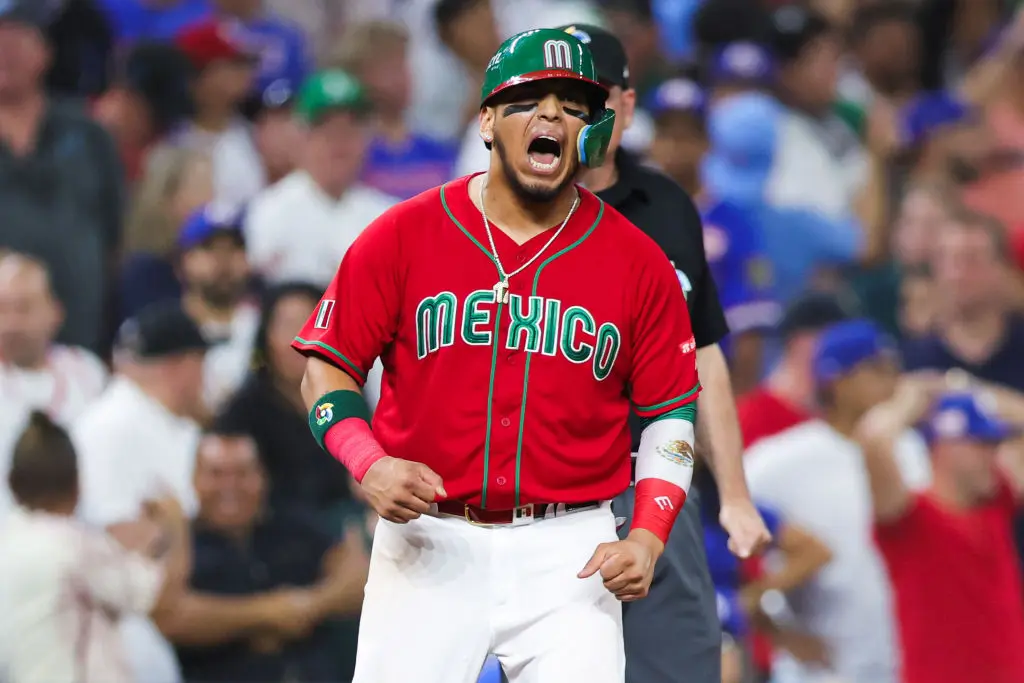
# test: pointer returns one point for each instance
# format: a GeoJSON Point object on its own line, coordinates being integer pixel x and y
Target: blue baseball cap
{"type": "Point", "coordinates": [207, 222]}
{"type": "Point", "coordinates": [743, 130]}
{"type": "Point", "coordinates": [965, 416]}
{"type": "Point", "coordinates": [741, 62]}
{"type": "Point", "coordinates": [930, 112]}
{"type": "Point", "coordinates": [677, 95]}
{"type": "Point", "coordinates": [843, 346]}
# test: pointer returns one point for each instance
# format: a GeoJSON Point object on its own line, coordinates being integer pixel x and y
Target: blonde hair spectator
{"type": "Point", "coordinates": [361, 43]}
{"type": "Point", "coordinates": [176, 182]}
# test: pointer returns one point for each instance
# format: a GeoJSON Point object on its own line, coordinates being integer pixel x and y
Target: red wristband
{"type": "Point", "coordinates": [657, 504]}
{"type": "Point", "coordinates": [352, 444]}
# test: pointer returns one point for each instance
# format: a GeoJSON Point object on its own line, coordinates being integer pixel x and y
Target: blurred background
{"type": "Point", "coordinates": [160, 157]}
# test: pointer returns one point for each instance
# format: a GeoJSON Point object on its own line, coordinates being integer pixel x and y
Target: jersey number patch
{"type": "Point", "coordinates": [323, 314]}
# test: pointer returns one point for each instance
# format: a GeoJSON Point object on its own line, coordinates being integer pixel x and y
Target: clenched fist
{"type": "Point", "coordinates": [627, 566]}
{"type": "Point", "coordinates": [401, 490]}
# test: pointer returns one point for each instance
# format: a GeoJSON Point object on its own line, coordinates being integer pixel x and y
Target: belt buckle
{"type": "Point", "coordinates": [523, 515]}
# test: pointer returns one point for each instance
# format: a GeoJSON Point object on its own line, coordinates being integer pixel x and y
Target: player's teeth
{"type": "Point", "coordinates": [543, 167]}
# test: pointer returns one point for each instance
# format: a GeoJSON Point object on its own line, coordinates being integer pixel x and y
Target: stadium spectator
{"type": "Point", "coordinates": [923, 211]}
{"type": "Point", "coordinates": [282, 48]}
{"type": "Point", "coordinates": [739, 67]}
{"type": "Point", "coordinates": [633, 23]}
{"type": "Point", "coordinates": [215, 284]}
{"type": "Point", "coordinates": [975, 328]}
{"type": "Point", "coordinates": [149, 97]}
{"type": "Point", "coordinates": [799, 243]}
{"type": "Point", "coordinates": [962, 524]}
{"type": "Point", "coordinates": [36, 373]}
{"type": "Point", "coordinates": [269, 408]}
{"type": "Point", "coordinates": [469, 31]}
{"type": "Point", "coordinates": [83, 49]}
{"type": "Point", "coordinates": [399, 162]}
{"type": "Point", "coordinates": [47, 634]}
{"type": "Point", "coordinates": [138, 440]}
{"type": "Point", "coordinates": [243, 553]}
{"type": "Point", "coordinates": [739, 599]}
{"type": "Point", "coordinates": [786, 397]}
{"type": "Point", "coordinates": [176, 183]}
{"type": "Point", "coordinates": [300, 228]}
{"type": "Point", "coordinates": [134, 21]}
{"type": "Point", "coordinates": [60, 178]}
{"type": "Point", "coordinates": [277, 134]}
{"type": "Point", "coordinates": [812, 475]}
{"type": "Point", "coordinates": [819, 163]}
{"type": "Point", "coordinates": [678, 107]}
{"type": "Point", "coordinates": [885, 40]}
{"type": "Point", "coordinates": [223, 76]}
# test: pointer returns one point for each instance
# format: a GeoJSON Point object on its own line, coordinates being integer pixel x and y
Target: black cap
{"type": "Point", "coordinates": [812, 312]}
{"type": "Point", "coordinates": [35, 13]}
{"type": "Point", "coordinates": [609, 55]}
{"type": "Point", "coordinates": [794, 27]}
{"type": "Point", "coordinates": [158, 331]}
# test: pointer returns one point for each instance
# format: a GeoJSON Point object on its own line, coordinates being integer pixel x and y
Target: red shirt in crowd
{"type": "Point", "coordinates": [958, 591]}
{"type": "Point", "coordinates": [763, 414]}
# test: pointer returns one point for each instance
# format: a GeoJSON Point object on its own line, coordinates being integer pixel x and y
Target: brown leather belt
{"type": "Point", "coordinates": [475, 515]}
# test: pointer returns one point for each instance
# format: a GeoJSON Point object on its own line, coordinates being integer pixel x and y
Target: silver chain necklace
{"type": "Point", "coordinates": [501, 287]}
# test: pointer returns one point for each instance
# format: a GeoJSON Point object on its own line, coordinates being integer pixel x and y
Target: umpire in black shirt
{"type": "Point", "coordinates": [673, 635]}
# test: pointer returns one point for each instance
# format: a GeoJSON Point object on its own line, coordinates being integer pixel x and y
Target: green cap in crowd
{"type": "Point", "coordinates": [328, 91]}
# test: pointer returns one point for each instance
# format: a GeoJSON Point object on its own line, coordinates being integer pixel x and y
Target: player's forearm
{"type": "Point", "coordinates": [339, 417]}
{"type": "Point", "coordinates": [664, 470]}
{"type": "Point", "coordinates": [720, 423]}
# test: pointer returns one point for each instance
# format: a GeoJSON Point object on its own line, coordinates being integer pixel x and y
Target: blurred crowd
{"type": "Point", "coordinates": [179, 180]}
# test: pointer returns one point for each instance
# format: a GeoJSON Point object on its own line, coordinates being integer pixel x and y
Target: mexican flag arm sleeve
{"type": "Point", "coordinates": [357, 318]}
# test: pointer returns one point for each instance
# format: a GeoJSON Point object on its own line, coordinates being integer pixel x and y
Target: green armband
{"type": "Point", "coordinates": [332, 408]}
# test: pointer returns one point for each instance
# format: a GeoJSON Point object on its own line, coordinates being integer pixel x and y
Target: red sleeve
{"type": "Point", "coordinates": [664, 368]}
{"type": "Point", "coordinates": [922, 516]}
{"type": "Point", "coordinates": [358, 314]}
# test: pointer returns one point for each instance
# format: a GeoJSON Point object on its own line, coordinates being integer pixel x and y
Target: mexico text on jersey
{"type": "Point", "coordinates": [513, 403]}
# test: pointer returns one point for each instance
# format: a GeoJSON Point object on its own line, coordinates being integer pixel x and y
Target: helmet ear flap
{"type": "Point", "coordinates": [593, 140]}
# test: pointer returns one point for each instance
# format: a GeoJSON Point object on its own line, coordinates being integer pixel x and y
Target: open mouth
{"type": "Point", "coordinates": [544, 153]}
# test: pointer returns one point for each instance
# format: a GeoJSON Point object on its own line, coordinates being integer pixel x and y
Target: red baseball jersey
{"type": "Point", "coordinates": [524, 402]}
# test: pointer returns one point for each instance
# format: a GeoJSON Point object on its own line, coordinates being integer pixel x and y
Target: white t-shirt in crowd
{"type": "Point", "coordinates": [238, 172]}
{"type": "Point", "coordinates": [819, 165]}
{"type": "Point", "coordinates": [814, 478]}
{"type": "Point", "coordinates": [296, 232]}
{"type": "Point", "coordinates": [131, 448]}
{"type": "Point", "coordinates": [62, 593]}
{"type": "Point", "coordinates": [71, 379]}
{"type": "Point", "coordinates": [229, 358]}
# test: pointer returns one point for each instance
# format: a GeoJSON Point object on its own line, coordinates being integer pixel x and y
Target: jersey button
{"type": "Point", "coordinates": [505, 422]}
{"type": "Point", "coordinates": [501, 481]}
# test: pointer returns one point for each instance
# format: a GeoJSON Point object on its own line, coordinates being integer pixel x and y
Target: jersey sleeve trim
{"type": "Point", "coordinates": [671, 404]}
{"type": "Point", "coordinates": [332, 354]}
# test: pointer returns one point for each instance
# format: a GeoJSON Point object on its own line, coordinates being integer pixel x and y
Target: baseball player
{"type": "Point", "coordinates": [519, 320]}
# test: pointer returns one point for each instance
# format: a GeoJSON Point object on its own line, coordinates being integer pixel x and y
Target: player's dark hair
{"type": "Point", "coordinates": [44, 466]}
{"type": "Point", "coordinates": [873, 14]}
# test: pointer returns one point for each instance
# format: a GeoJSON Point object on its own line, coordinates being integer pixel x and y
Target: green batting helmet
{"type": "Point", "coordinates": [547, 53]}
